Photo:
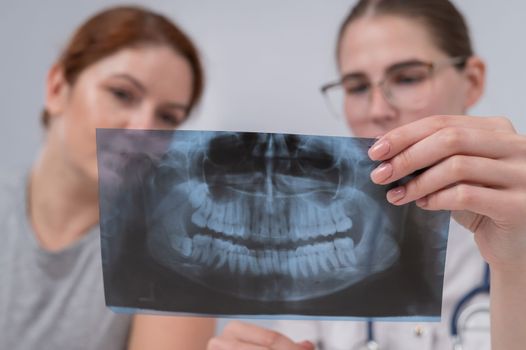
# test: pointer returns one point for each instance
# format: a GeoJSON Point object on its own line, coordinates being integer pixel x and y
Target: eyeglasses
{"type": "Point", "coordinates": [407, 86]}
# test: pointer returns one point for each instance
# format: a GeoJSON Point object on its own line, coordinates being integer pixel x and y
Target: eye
{"type": "Point", "coordinates": [122, 95]}
{"type": "Point", "coordinates": [410, 76]}
{"type": "Point", "coordinates": [356, 87]}
{"type": "Point", "coordinates": [168, 119]}
{"type": "Point", "coordinates": [171, 119]}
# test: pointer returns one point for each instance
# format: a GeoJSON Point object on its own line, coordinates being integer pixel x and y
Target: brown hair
{"type": "Point", "coordinates": [119, 27]}
{"type": "Point", "coordinates": [445, 23]}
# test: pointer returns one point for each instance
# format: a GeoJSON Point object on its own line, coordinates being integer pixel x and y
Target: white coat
{"type": "Point", "coordinates": [464, 270]}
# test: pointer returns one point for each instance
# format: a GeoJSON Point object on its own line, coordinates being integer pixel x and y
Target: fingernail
{"type": "Point", "coordinates": [382, 173]}
{"type": "Point", "coordinates": [379, 149]}
{"type": "Point", "coordinates": [396, 194]}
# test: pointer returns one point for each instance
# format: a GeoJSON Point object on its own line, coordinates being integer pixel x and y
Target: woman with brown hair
{"type": "Point", "coordinates": [408, 75]}
{"type": "Point", "coordinates": [126, 67]}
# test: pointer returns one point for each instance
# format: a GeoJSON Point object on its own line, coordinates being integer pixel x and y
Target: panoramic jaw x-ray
{"type": "Point", "coordinates": [274, 221]}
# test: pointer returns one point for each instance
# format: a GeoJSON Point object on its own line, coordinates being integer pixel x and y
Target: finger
{"type": "Point", "coordinates": [493, 203]}
{"type": "Point", "coordinates": [307, 345]}
{"type": "Point", "coordinates": [400, 138]}
{"type": "Point", "coordinates": [458, 169]}
{"type": "Point", "coordinates": [445, 143]}
{"type": "Point", "coordinates": [231, 344]}
{"type": "Point", "coordinates": [250, 333]}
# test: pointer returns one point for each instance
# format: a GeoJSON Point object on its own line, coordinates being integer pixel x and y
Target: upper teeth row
{"type": "Point", "coordinates": [292, 218]}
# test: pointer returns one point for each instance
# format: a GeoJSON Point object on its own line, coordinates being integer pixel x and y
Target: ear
{"type": "Point", "coordinates": [57, 91]}
{"type": "Point", "coordinates": [475, 73]}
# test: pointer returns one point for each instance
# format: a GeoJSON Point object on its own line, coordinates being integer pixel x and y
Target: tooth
{"type": "Point", "coordinates": [302, 222]}
{"type": "Point", "coordinates": [228, 230]}
{"type": "Point", "coordinates": [342, 221]}
{"type": "Point", "coordinates": [200, 217]}
{"type": "Point", "coordinates": [239, 222]}
{"type": "Point", "coordinates": [254, 214]}
{"type": "Point", "coordinates": [229, 214]}
{"type": "Point", "coordinates": [206, 253]}
{"type": "Point", "coordinates": [311, 255]}
{"type": "Point", "coordinates": [228, 222]}
{"type": "Point", "coordinates": [284, 262]}
{"type": "Point", "coordinates": [216, 221]}
{"type": "Point", "coordinates": [275, 230]}
{"type": "Point", "coordinates": [295, 233]}
{"type": "Point", "coordinates": [246, 219]}
{"type": "Point", "coordinates": [269, 261]}
{"type": "Point", "coordinates": [215, 251]}
{"type": "Point", "coordinates": [253, 263]}
{"type": "Point", "coordinates": [326, 226]}
{"type": "Point", "coordinates": [344, 225]}
{"type": "Point", "coordinates": [243, 258]}
{"type": "Point", "coordinates": [345, 251]}
{"type": "Point", "coordinates": [295, 220]}
{"type": "Point", "coordinates": [344, 243]}
{"type": "Point", "coordinates": [261, 262]}
{"type": "Point", "coordinates": [329, 253]}
{"type": "Point", "coordinates": [221, 249]}
{"type": "Point", "coordinates": [243, 263]}
{"type": "Point", "coordinates": [181, 243]}
{"type": "Point", "coordinates": [293, 264]}
{"type": "Point", "coordinates": [351, 256]}
{"type": "Point", "coordinates": [264, 224]}
{"type": "Point", "coordinates": [302, 264]}
{"type": "Point", "coordinates": [196, 254]}
{"type": "Point", "coordinates": [322, 259]}
{"type": "Point", "coordinates": [275, 261]}
{"type": "Point", "coordinates": [201, 244]}
{"type": "Point", "coordinates": [198, 195]}
{"type": "Point", "coordinates": [290, 220]}
{"type": "Point", "coordinates": [232, 260]}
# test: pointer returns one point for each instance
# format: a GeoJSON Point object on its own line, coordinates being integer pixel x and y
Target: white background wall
{"type": "Point", "coordinates": [265, 61]}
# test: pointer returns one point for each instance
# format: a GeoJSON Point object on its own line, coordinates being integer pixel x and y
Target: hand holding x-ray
{"type": "Point", "coordinates": [477, 169]}
{"type": "Point", "coordinates": [472, 170]}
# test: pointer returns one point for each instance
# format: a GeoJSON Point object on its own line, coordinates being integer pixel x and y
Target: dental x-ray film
{"type": "Point", "coordinates": [261, 225]}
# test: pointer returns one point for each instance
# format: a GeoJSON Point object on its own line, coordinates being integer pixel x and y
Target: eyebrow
{"type": "Point", "coordinates": [175, 105]}
{"type": "Point", "coordinates": [132, 80]}
{"type": "Point", "coordinates": [393, 67]}
{"type": "Point", "coordinates": [142, 88]}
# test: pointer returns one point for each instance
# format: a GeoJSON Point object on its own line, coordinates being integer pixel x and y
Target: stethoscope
{"type": "Point", "coordinates": [460, 306]}
{"type": "Point", "coordinates": [461, 315]}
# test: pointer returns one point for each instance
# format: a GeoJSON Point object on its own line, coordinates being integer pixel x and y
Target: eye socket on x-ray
{"type": "Point", "coordinates": [230, 148]}
{"type": "Point", "coordinates": [315, 155]}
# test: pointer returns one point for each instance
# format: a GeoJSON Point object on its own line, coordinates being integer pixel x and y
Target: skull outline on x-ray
{"type": "Point", "coordinates": [274, 217]}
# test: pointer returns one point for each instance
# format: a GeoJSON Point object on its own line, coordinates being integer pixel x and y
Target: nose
{"type": "Point", "coordinates": [143, 118]}
{"type": "Point", "coordinates": [381, 111]}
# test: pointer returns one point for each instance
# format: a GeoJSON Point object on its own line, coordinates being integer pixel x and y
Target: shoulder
{"type": "Point", "coordinates": [12, 187]}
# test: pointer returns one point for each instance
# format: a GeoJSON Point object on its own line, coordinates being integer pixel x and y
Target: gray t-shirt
{"type": "Point", "coordinates": [50, 300]}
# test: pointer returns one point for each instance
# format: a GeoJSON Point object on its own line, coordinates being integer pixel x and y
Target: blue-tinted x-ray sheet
{"type": "Point", "coordinates": [260, 224]}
